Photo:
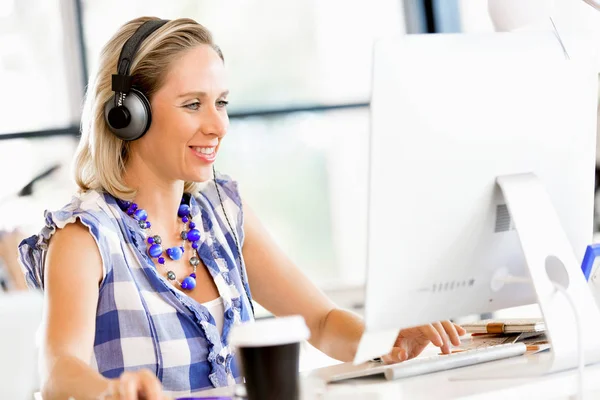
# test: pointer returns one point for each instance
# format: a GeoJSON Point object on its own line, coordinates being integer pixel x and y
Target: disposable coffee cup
{"type": "Point", "coordinates": [268, 353]}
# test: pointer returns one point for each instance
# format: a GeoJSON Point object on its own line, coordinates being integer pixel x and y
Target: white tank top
{"type": "Point", "coordinates": [216, 309]}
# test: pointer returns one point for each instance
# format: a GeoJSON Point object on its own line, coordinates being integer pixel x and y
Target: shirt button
{"type": "Point", "coordinates": [226, 278]}
{"type": "Point", "coordinates": [229, 313]}
{"type": "Point", "coordinates": [220, 360]}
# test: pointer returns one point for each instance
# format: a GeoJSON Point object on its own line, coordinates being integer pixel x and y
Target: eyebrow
{"type": "Point", "coordinates": [200, 94]}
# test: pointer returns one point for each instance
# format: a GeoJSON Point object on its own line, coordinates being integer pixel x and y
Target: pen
{"type": "Point", "coordinates": [452, 352]}
{"type": "Point", "coordinates": [533, 347]}
{"type": "Point", "coordinates": [528, 348]}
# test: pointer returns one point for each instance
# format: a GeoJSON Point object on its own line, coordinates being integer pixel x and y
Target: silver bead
{"type": "Point", "coordinates": [157, 239]}
{"type": "Point", "coordinates": [171, 276]}
{"type": "Point", "coordinates": [194, 261]}
{"type": "Point", "coordinates": [183, 235]}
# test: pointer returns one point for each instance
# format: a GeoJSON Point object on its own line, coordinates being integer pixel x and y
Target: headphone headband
{"type": "Point", "coordinates": [121, 82]}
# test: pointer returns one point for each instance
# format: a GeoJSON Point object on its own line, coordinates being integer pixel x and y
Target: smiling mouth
{"type": "Point", "coordinates": [207, 153]}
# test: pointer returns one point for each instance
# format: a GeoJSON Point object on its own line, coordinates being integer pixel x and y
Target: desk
{"type": "Point", "coordinates": [452, 384]}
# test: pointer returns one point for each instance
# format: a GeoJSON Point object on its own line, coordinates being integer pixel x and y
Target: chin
{"type": "Point", "coordinates": [200, 177]}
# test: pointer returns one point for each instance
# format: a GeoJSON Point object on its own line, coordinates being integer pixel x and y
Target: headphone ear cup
{"type": "Point", "coordinates": [131, 120]}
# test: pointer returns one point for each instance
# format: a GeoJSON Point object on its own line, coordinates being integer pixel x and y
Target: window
{"type": "Point", "coordinates": [305, 176]}
{"type": "Point", "coordinates": [279, 54]}
{"type": "Point", "coordinates": [23, 159]}
{"type": "Point", "coordinates": [34, 67]}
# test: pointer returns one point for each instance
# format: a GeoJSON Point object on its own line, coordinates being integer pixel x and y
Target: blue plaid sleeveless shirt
{"type": "Point", "coordinates": [141, 320]}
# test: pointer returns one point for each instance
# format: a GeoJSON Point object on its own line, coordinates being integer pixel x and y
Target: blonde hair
{"type": "Point", "coordinates": [100, 159]}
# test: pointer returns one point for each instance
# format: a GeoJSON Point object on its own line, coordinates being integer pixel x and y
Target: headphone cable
{"type": "Point", "coordinates": [245, 283]}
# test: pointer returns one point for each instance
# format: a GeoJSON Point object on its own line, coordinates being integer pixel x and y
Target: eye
{"type": "Point", "coordinates": [222, 103]}
{"type": "Point", "coordinates": [193, 106]}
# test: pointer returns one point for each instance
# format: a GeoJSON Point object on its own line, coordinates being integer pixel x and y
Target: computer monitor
{"type": "Point", "coordinates": [468, 134]}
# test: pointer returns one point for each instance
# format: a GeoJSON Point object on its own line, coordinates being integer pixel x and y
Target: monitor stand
{"type": "Point", "coordinates": [550, 260]}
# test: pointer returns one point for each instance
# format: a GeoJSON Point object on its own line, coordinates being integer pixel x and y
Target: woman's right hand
{"type": "Point", "coordinates": [141, 384]}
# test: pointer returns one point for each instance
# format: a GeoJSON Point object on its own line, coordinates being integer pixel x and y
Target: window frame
{"type": "Point", "coordinates": [72, 19]}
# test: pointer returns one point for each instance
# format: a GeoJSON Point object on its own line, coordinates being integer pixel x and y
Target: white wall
{"type": "Point", "coordinates": [569, 16]}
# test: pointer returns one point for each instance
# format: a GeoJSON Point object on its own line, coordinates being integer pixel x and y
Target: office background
{"type": "Point", "coordinates": [300, 83]}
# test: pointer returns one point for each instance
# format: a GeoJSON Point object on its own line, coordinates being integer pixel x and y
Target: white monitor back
{"type": "Point", "coordinates": [449, 114]}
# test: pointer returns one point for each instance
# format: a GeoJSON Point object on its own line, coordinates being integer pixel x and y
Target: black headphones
{"type": "Point", "coordinates": [128, 113]}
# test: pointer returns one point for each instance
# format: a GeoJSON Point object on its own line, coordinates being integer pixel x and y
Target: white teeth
{"type": "Point", "coordinates": [204, 150]}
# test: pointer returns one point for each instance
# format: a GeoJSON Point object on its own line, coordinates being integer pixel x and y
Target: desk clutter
{"type": "Point", "coordinates": [490, 332]}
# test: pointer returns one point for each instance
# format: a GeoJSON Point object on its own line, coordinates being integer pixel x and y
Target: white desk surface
{"type": "Point", "coordinates": [456, 384]}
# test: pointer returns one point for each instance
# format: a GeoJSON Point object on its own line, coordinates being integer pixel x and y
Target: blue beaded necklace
{"type": "Point", "coordinates": [155, 249]}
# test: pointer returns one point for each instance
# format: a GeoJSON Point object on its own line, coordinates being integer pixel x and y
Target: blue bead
{"type": "Point", "coordinates": [150, 240]}
{"type": "Point", "coordinates": [184, 210]}
{"type": "Point", "coordinates": [140, 214]}
{"type": "Point", "coordinates": [192, 225]}
{"type": "Point", "coordinates": [148, 224]}
{"type": "Point", "coordinates": [174, 253]}
{"type": "Point", "coordinates": [184, 219]}
{"type": "Point", "coordinates": [132, 208]}
{"type": "Point", "coordinates": [188, 283]}
{"type": "Point", "coordinates": [161, 260]}
{"type": "Point", "coordinates": [193, 235]}
{"type": "Point", "coordinates": [195, 245]}
{"type": "Point", "coordinates": [193, 275]}
{"type": "Point", "coordinates": [155, 250]}
{"type": "Point", "coordinates": [182, 249]}
{"type": "Point", "coordinates": [123, 204]}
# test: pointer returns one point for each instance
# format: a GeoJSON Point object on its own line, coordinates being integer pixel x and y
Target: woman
{"type": "Point", "coordinates": [125, 317]}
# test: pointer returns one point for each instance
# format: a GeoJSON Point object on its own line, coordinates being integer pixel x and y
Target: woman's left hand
{"type": "Point", "coordinates": [412, 341]}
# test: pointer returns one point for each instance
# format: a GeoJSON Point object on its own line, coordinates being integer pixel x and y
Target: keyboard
{"type": "Point", "coordinates": [422, 365]}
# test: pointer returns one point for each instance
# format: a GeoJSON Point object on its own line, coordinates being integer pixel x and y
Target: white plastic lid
{"type": "Point", "coordinates": [270, 332]}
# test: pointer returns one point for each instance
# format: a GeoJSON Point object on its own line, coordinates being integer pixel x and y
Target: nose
{"type": "Point", "coordinates": [214, 122]}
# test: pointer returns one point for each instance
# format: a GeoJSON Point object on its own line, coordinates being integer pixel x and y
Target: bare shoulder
{"type": "Point", "coordinates": [74, 238]}
{"type": "Point", "coordinates": [72, 248]}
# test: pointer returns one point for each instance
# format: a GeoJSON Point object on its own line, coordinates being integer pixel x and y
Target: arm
{"type": "Point", "coordinates": [73, 271]}
{"type": "Point", "coordinates": [283, 289]}
{"type": "Point", "coordinates": [72, 276]}
{"type": "Point", "coordinates": [279, 286]}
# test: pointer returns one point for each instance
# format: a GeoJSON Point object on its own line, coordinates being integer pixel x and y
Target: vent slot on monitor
{"type": "Point", "coordinates": [447, 286]}
{"type": "Point", "coordinates": [503, 220]}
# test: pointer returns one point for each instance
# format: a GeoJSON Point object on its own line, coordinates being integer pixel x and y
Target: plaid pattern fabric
{"type": "Point", "coordinates": [141, 320]}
